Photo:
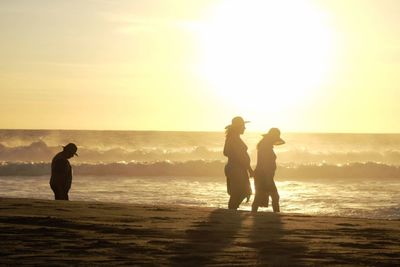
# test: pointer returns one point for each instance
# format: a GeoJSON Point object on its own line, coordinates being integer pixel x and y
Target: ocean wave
{"type": "Point", "coordinates": [388, 156]}
{"type": "Point", "coordinates": [40, 151]}
{"type": "Point", "coordinates": [201, 168]}
{"type": "Point", "coordinates": [357, 170]}
{"type": "Point", "coordinates": [36, 151]}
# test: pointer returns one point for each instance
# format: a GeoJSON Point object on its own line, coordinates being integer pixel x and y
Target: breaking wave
{"type": "Point", "coordinates": [39, 151]}
{"type": "Point", "coordinates": [201, 168]}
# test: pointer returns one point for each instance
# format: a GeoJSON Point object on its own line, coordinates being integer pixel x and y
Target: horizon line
{"type": "Point", "coordinates": [195, 131]}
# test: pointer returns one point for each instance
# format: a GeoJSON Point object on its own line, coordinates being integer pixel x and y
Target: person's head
{"type": "Point", "coordinates": [273, 137]}
{"type": "Point", "coordinates": [70, 150]}
{"type": "Point", "coordinates": [236, 127]}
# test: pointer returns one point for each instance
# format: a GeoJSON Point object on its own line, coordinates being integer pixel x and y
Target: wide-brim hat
{"type": "Point", "coordinates": [71, 147]}
{"type": "Point", "coordinates": [275, 135]}
{"type": "Point", "coordinates": [237, 121]}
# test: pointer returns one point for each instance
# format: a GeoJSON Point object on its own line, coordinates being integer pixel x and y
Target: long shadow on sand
{"type": "Point", "coordinates": [206, 241]}
{"type": "Point", "coordinates": [273, 245]}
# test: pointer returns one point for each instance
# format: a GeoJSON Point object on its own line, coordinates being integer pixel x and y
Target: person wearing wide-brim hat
{"type": "Point", "coordinates": [61, 172]}
{"type": "Point", "coordinates": [265, 171]}
{"type": "Point", "coordinates": [238, 168]}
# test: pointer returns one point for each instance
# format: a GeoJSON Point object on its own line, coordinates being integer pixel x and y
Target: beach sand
{"type": "Point", "coordinates": [61, 233]}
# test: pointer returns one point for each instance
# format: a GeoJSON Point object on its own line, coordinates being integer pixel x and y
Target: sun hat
{"type": "Point", "coordinates": [71, 147]}
{"type": "Point", "coordinates": [237, 121]}
{"type": "Point", "coordinates": [275, 135]}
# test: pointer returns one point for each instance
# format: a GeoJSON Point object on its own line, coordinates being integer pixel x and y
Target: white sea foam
{"type": "Point", "coordinates": [204, 168]}
{"type": "Point", "coordinates": [114, 146]}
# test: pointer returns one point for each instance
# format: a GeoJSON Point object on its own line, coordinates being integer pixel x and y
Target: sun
{"type": "Point", "coordinates": [261, 55]}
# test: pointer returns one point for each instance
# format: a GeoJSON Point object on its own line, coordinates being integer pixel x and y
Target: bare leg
{"type": "Point", "coordinates": [275, 201]}
{"type": "Point", "coordinates": [255, 205]}
{"type": "Point", "coordinates": [234, 202]}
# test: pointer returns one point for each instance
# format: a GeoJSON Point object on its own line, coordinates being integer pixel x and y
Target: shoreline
{"type": "Point", "coordinates": [48, 232]}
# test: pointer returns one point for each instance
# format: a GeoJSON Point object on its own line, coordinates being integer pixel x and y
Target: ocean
{"type": "Point", "coordinates": [351, 175]}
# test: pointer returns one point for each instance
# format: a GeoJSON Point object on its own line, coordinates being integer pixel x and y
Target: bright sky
{"type": "Point", "coordinates": [300, 65]}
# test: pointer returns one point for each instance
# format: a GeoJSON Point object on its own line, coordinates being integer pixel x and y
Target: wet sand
{"type": "Point", "coordinates": [59, 233]}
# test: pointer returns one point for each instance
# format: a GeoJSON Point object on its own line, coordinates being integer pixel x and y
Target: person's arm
{"type": "Point", "coordinates": [69, 178]}
{"type": "Point", "coordinates": [61, 171]}
{"type": "Point", "coordinates": [227, 148]}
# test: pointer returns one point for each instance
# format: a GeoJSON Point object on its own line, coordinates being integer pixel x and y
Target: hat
{"type": "Point", "coordinates": [237, 121]}
{"type": "Point", "coordinates": [71, 147]}
{"type": "Point", "coordinates": [275, 135]}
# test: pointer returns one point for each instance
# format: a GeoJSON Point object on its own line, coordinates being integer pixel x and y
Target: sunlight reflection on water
{"type": "Point", "coordinates": [368, 199]}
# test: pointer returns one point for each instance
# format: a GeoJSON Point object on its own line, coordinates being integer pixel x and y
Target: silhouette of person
{"type": "Point", "coordinates": [61, 172]}
{"type": "Point", "coordinates": [265, 171]}
{"type": "Point", "coordinates": [238, 168]}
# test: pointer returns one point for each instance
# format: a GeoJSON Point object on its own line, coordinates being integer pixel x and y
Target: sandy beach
{"type": "Point", "coordinates": [43, 232]}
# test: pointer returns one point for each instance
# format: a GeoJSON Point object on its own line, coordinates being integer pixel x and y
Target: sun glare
{"type": "Point", "coordinates": [266, 55]}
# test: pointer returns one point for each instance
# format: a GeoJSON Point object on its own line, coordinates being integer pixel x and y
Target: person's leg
{"type": "Point", "coordinates": [231, 205]}
{"type": "Point", "coordinates": [58, 195]}
{"type": "Point", "coordinates": [275, 201]}
{"type": "Point", "coordinates": [266, 200]}
{"type": "Point", "coordinates": [254, 206]}
{"type": "Point", "coordinates": [261, 199]}
{"type": "Point", "coordinates": [235, 201]}
{"type": "Point", "coordinates": [65, 197]}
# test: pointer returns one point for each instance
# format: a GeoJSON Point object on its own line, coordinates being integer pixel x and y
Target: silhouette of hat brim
{"type": "Point", "coordinates": [71, 146]}
{"type": "Point", "coordinates": [276, 142]}
{"type": "Point", "coordinates": [76, 154]}
{"type": "Point", "coordinates": [232, 125]}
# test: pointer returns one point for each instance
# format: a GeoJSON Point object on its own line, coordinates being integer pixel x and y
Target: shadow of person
{"type": "Point", "coordinates": [273, 245]}
{"type": "Point", "coordinates": [206, 241]}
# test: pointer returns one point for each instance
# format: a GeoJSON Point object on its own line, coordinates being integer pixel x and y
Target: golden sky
{"type": "Point", "coordinates": [300, 65]}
